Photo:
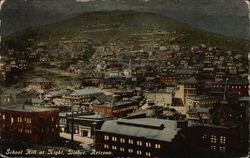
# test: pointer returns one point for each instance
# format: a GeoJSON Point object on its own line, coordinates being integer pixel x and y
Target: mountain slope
{"type": "Point", "coordinates": [227, 17]}
{"type": "Point", "coordinates": [115, 25]}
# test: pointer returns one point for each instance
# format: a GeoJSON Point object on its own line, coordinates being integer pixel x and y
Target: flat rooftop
{"type": "Point", "coordinates": [25, 108]}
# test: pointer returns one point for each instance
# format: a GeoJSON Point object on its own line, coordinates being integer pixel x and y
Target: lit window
{"type": "Point", "coordinates": [122, 140]}
{"type": "Point", "coordinates": [213, 147]}
{"type": "Point", "coordinates": [139, 143]}
{"type": "Point", "coordinates": [20, 130]}
{"type": "Point", "coordinates": [106, 146]}
{"type": "Point", "coordinates": [122, 149]}
{"type": "Point", "coordinates": [130, 141]}
{"type": "Point", "coordinates": [12, 120]}
{"type": "Point", "coordinates": [106, 137]}
{"type": "Point", "coordinates": [148, 154]}
{"type": "Point", "coordinates": [114, 147]}
{"type": "Point", "coordinates": [213, 139]}
{"type": "Point", "coordinates": [157, 146]}
{"type": "Point", "coordinates": [204, 136]}
{"type": "Point", "coordinates": [148, 144]}
{"type": "Point", "coordinates": [130, 150]}
{"type": "Point", "coordinates": [222, 140]}
{"type": "Point", "coordinates": [19, 119]}
{"type": "Point", "coordinates": [3, 117]}
{"type": "Point", "coordinates": [114, 139]}
{"type": "Point", "coordinates": [139, 152]}
{"type": "Point", "coordinates": [222, 148]}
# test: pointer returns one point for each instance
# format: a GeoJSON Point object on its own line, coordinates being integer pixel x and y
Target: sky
{"type": "Point", "coordinates": [227, 17]}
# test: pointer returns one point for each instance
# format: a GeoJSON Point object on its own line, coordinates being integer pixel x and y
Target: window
{"type": "Point", "coordinates": [148, 154]}
{"type": "Point", "coordinates": [122, 149]}
{"type": "Point", "coordinates": [139, 143]}
{"type": "Point", "coordinates": [148, 144]}
{"type": "Point", "coordinates": [114, 147]}
{"type": "Point", "coordinates": [222, 140]}
{"type": "Point", "coordinates": [106, 146]}
{"type": "Point", "coordinates": [157, 146]}
{"type": "Point", "coordinates": [12, 120]}
{"type": "Point", "coordinates": [204, 136]}
{"type": "Point", "coordinates": [106, 137]}
{"type": "Point", "coordinates": [3, 117]}
{"type": "Point", "coordinates": [130, 150]}
{"type": "Point", "coordinates": [139, 152]}
{"type": "Point", "coordinates": [114, 139]}
{"type": "Point", "coordinates": [222, 148]}
{"type": "Point", "coordinates": [27, 120]}
{"type": "Point", "coordinates": [122, 140]}
{"type": "Point", "coordinates": [19, 119]}
{"type": "Point", "coordinates": [20, 130]}
{"type": "Point", "coordinates": [27, 131]}
{"type": "Point", "coordinates": [213, 147]}
{"type": "Point", "coordinates": [213, 139]}
{"type": "Point", "coordinates": [130, 141]}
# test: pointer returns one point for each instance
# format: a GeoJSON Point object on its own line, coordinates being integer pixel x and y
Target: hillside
{"type": "Point", "coordinates": [111, 26]}
{"type": "Point", "coordinates": [226, 17]}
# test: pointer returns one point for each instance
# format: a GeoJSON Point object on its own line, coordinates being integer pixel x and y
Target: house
{"type": "Point", "coordinates": [29, 123]}
{"type": "Point", "coordinates": [117, 109]}
{"type": "Point", "coordinates": [34, 56]}
{"type": "Point", "coordinates": [37, 102]}
{"type": "Point", "coordinates": [169, 54]}
{"type": "Point", "coordinates": [162, 97]}
{"type": "Point", "coordinates": [167, 78]}
{"type": "Point", "coordinates": [239, 84]}
{"type": "Point", "coordinates": [39, 84]}
{"type": "Point", "coordinates": [184, 73]}
{"type": "Point", "coordinates": [201, 101]}
{"type": "Point", "coordinates": [123, 93]}
{"type": "Point", "coordinates": [44, 60]}
{"type": "Point", "coordinates": [80, 97]}
{"type": "Point", "coordinates": [192, 86]}
{"type": "Point", "coordinates": [199, 114]}
{"type": "Point", "coordinates": [16, 96]}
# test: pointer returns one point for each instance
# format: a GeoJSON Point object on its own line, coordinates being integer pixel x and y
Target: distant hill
{"type": "Point", "coordinates": [226, 17]}
{"type": "Point", "coordinates": [114, 25]}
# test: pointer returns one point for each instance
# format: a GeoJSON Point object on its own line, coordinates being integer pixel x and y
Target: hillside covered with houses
{"type": "Point", "coordinates": [112, 69]}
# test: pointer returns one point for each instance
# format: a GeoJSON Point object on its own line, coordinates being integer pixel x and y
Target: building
{"type": "Point", "coordinates": [162, 97]}
{"type": "Point", "coordinates": [80, 97]}
{"type": "Point", "coordinates": [39, 84]}
{"type": "Point", "coordinates": [192, 86]}
{"type": "Point", "coordinates": [117, 109]}
{"type": "Point", "coordinates": [84, 123]}
{"type": "Point", "coordinates": [149, 137]}
{"type": "Point", "coordinates": [145, 137]}
{"type": "Point", "coordinates": [215, 137]}
{"type": "Point", "coordinates": [201, 101]}
{"type": "Point", "coordinates": [16, 96]}
{"type": "Point", "coordinates": [241, 85]}
{"type": "Point", "coordinates": [28, 123]}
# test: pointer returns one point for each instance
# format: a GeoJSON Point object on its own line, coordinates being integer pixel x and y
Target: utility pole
{"type": "Point", "coordinates": [72, 126]}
